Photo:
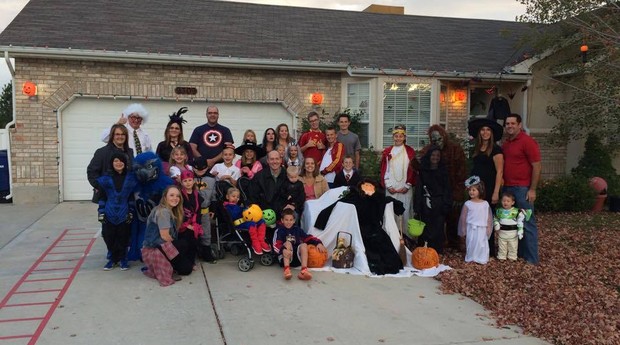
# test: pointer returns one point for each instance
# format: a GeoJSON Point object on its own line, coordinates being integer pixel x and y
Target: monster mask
{"type": "Point", "coordinates": [437, 139]}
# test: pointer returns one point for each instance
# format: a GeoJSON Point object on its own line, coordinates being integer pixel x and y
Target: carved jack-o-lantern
{"type": "Point", "coordinates": [317, 98]}
{"type": "Point", "coordinates": [29, 89]}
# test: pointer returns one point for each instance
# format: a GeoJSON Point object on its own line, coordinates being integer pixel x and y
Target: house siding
{"type": "Point", "coordinates": [35, 139]}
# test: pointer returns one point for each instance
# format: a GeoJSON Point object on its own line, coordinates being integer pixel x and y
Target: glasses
{"type": "Point", "coordinates": [136, 118]}
{"type": "Point", "coordinates": [314, 120]}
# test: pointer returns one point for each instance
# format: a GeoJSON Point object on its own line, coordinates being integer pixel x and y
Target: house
{"type": "Point", "coordinates": [259, 64]}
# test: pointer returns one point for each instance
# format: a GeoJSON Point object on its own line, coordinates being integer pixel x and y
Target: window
{"type": "Point", "coordinates": [407, 104]}
{"type": "Point", "coordinates": [480, 99]}
{"type": "Point", "coordinates": [358, 100]}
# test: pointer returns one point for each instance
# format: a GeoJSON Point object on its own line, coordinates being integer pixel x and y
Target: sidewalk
{"type": "Point", "coordinates": [218, 304]}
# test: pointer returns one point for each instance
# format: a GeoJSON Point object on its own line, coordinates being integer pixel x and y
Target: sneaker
{"type": "Point", "coordinates": [176, 277]}
{"type": "Point", "coordinates": [108, 266]}
{"type": "Point", "coordinates": [287, 273]}
{"type": "Point", "coordinates": [124, 265]}
{"type": "Point", "coordinates": [304, 274]}
{"type": "Point", "coordinates": [265, 247]}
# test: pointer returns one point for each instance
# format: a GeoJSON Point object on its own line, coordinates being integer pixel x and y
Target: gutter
{"type": "Point", "coordinates": [367, 72]}
{"type": "Point", "coordinates": [172, 59]}
{"type": "Point", "coordinates": [11, 123]}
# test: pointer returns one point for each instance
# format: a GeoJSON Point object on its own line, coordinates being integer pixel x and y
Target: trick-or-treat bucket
{"type": "Point", "coordinates": [415, 227]}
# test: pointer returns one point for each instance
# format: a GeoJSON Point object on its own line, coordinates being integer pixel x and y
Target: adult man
{"type": "Point", "coordinates": [266, 184]}
{"type": "Point", "coordinates": [134, 116]}
{"type": "Point", "coordinates": [349, 139]}
{"type": "Point", "coordinates": [333, 157]}
{"type": "Point", "coordinates": [208, 141]}
{"type": "Point", "coordinates": [521, 175]}
{"type": "Point", "coordinates": [312, 143]}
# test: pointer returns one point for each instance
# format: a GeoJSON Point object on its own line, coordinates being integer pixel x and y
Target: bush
{"type": "Point", "coordinates": [596, 162]}
{"type": "Point", "coordinates": [565, 194]}
{"type": "Point", "coordinates": [370, 163]}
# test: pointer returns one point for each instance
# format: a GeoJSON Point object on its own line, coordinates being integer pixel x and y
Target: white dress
{"type": "Point", "coordinates": [477, 223]}
{"type": "Point", "coordinates": [396, 177]}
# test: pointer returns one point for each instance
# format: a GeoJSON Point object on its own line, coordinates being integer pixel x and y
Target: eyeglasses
{"type": "Point", "coordinates": [136, 118]}
{"type": "Point", "coordinates": [314, 120]}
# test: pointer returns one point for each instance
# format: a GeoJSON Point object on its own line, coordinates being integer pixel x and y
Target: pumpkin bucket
{"type": "Point", "coordinates": [415, 227]}
{"type": "Point", "coordinates": [424, 257]}
{"type": "Point", "coordinates": [316, 259]}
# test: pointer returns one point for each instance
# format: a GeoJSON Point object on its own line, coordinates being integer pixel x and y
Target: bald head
{"type": "Point", "coordinates": [274, 160]}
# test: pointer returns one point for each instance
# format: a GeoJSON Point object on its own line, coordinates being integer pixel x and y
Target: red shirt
{"type": "Point", "coordinates": [519, 154]}
{"type": "Point", "coordinates": [313, 152]}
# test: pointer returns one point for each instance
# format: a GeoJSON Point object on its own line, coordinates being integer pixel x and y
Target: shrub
{"type": "Point", "coordinates": [566, 193]}
{"type": "Point", "coordinates": [370, 163]}
{"type": "Point", "coordinates": [596, 162]}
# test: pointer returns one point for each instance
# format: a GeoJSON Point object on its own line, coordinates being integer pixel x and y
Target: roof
{"type": "Point", "coordinates": [205, 28]}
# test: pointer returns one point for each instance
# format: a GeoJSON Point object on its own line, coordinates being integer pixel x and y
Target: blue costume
{"type": "Point", "coordinates": [152, 181]}
{"type": "Point", "coordinates": [256, 230]}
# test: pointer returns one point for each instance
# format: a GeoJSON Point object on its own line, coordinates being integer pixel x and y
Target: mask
{"type": "Point", "coordinates": [437, 139]}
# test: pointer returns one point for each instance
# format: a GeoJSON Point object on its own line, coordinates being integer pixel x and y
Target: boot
{"type": "Point", "coordinates": [256, 247]}
{"type": "Point", "coordinates": [262, 229]}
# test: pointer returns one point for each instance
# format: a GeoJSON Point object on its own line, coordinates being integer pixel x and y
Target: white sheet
{"type": "Point", "coordinates": [344, 218]}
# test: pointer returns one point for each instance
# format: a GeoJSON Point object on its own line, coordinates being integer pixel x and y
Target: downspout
{"type": "Point", "coordinates": [526, 107]}
{"type": "Point", "coordinates": [11, 123]}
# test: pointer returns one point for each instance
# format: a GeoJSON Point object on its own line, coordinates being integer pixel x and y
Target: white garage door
{"type": "Point", "coordinates": [83, 121]}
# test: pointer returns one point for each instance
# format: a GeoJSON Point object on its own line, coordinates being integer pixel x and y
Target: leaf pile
{"type": "Point", "coordinates": [571, 298]}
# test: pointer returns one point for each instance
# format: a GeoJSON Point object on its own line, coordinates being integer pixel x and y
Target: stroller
{"type": "Point", "coordinates": [236, 240]}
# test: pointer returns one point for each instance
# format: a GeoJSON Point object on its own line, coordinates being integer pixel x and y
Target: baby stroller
{"type": "Point", "coordinates": [235, 239]}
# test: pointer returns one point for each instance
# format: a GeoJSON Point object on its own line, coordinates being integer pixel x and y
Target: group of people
{"type": "Point", "coordinates": [281, 174]}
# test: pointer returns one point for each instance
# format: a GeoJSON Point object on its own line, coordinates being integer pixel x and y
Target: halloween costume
{"type": "Point", "coordinates": [432, 201]}
{"type": "Point", "coordinates": [314, 152]}
{"type": "Point", "coordinates": [342, 180]}
{"type": "Point", "coordinates": [398, 173]}
{"type": "Point", "coordinates": [509, 225]}
{"type": "Point", "coordinates": [256, 230]}
{"type": "Point", "coordinates": [151, 183]}
{"type": "Point", "coordinates": [296, 236]}
{"type": "Point", "coordinates": [294, 194]}
{"type": "Point", "coordinates": [453, 158]}
{"type": "Point", "coordinates": [476, 224]}
{"type": "Point", "coordinates": [165, 148]}
{"type": "Point", "coordinates": [205, 185]}
{"type": "Point", "coordinates": [380, 252]}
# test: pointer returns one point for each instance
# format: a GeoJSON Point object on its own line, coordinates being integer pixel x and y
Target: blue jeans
{"type": "Point", "coordinates": [528, 246]}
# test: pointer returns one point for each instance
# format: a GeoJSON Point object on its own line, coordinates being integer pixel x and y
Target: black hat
{"type": "Point", "coordinates": [250, 145]}
{"type": "Point", "coordinates": [121, 156]}
{"type": "Point", "coordinates": [475, 124]}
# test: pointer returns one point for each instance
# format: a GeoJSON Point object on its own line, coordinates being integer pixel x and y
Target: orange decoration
{"type": "Point", "coordinates": [460, 95]}
{"type": "Point", "coordinates": [29, 89]}
{"type": "Point", "coordinates": [424, 257]}
{"type": "Point", "coordinates": [584, 48]}
{"type": "Point", "coordinates": [317, 98]}
{"type": "Point", "coordinates": [316, 259]}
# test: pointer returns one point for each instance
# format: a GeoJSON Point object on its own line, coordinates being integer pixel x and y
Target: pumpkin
{"type": "Point", "coordinates": [317, 98]}
{"type": "Point", "coordinates": [316, 259]}
{"type": "Point", "coordinates": [252, 213]}
{"type": "Point", "coordinates": [424, 257]}
{"type": "Point", "coordinates": [29, 89]}
{"type": "Point", "coordinates": [269, 216]}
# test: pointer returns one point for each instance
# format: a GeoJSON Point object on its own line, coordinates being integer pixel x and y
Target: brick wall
{"type": "Point", "coordinates": [34, 140]}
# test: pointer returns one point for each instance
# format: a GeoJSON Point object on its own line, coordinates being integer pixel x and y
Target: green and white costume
{"type": "Point", "coordinates": [509, 224]}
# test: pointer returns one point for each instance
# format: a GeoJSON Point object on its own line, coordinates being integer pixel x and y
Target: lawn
{"type": "Point", "coordinates": [571, 298]}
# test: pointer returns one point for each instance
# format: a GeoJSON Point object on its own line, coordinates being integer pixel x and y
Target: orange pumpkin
{"type": "Point", "coordinates": [29, 89]}
{"type": "Point", "coordinates": [316, 259]}
{"type": "Point", "coordinates": [317, 98]}
{"type": "Point", "coordinates": [424, 257]}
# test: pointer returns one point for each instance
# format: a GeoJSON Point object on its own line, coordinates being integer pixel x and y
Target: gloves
{"type": "Point", "coordinates": [520, 234]}
{"type": "Point", "coordinates": [129, 218]}
{"type": "Point", "coordinates": [101, 218]}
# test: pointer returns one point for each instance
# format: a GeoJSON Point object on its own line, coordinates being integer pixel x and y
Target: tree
{"type": "Point", "coordinates": [589, 82]}
{"type": "Point", "coordinates": [6, 105]}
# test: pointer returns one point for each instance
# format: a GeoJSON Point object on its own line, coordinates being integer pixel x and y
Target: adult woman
{"type": "Point", "coordinates": [173, 136]}
{"type": "Point", "coordinates": [488, 161]}
{"type": "Point", "coordinates": [100, 163]}
{"type": "Point", "coordinates": [314, 183]}
{"type": "Point", "coordinates": [397, 174]}
{"type": "Point", "coordinates": [268, 144]}
{"type": "Point", "coordinates": [284, 137]}
{"type": "Point", "coordinates": [162, 250]}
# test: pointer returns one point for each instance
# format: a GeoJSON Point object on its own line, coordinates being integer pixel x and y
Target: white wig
{"type": "Point", "coordinates": [138, 109]}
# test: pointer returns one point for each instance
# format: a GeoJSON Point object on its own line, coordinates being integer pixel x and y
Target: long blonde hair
{"type": "Point", "coordinates": [177, 211]}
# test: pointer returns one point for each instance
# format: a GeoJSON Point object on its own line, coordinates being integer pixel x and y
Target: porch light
{"type": "Point", "coordinates": [29, 89]}
{"type": "Point", "coordinates": [584, 53]}
{"type": "Point", "coordinates": [459, 96]}
{"type": "Point", "coordinates": [394, 87]}
{"type": "Point", "coordinates": [317, 98]}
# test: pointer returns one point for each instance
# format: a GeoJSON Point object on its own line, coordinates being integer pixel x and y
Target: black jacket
{"type": "Point", "coordinates": [265, 190]}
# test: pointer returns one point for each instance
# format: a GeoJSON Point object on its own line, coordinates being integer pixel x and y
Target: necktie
{"type": "Point", "coordinates": [347, 177]}
{"type": "Point", "coordinates": [137, 142]}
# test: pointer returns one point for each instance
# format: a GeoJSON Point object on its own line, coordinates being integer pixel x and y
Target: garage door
{"type": "Point", "coordinates": [83, 121]}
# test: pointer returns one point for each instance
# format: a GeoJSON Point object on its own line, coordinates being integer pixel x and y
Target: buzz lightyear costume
{"type": "Point", "coordinates": [509, 225]}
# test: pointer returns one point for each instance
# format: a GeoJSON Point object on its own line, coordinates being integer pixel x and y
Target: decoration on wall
{"type": "Point", "coordinates": [29, 89]}
{"type": "Point", "coordinates": [511, 94]}
{"type": "Point", "coordinates": [317, 98]}
{"type": "Point", "coordinates": [459, 95]}
{"type": "Point", "coordinates": [584, 53]}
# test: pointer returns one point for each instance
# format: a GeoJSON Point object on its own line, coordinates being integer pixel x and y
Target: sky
{"type": "Point", "coordinates": [480, 9]}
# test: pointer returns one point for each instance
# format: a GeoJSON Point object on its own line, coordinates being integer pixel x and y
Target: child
{"type": "Point", "coordinates": [281, 150]}
{"type": "Point", "coordinates": [292, 190]}
{"type": "Point", "coordinates": [476, 222]}
{"type": "Point", "coordinates": [116, 210]}
{"type": "Point", "coordinates": [249, 135]}
{"type": "Point", "coordinates": [348, 176]}
{"type": "Point", "coordinates": [191, 228]}
{"type": "Point", "coordinates": [256, 230]}
{"type": "Point", "coordinates": [226, 171]}
{"type": "Point", "coordinates": [291, 242]}
{"type": "Point", "coordinates": [250, 154]}
{"type": "Point", "coordinates": [508, 223]}
{"type": "Point", "coordinates": [293, 157]}
{"type": "Point", "coordinates": [205, 184]}
{"type": "Point", "coordinates": [178, 163]}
